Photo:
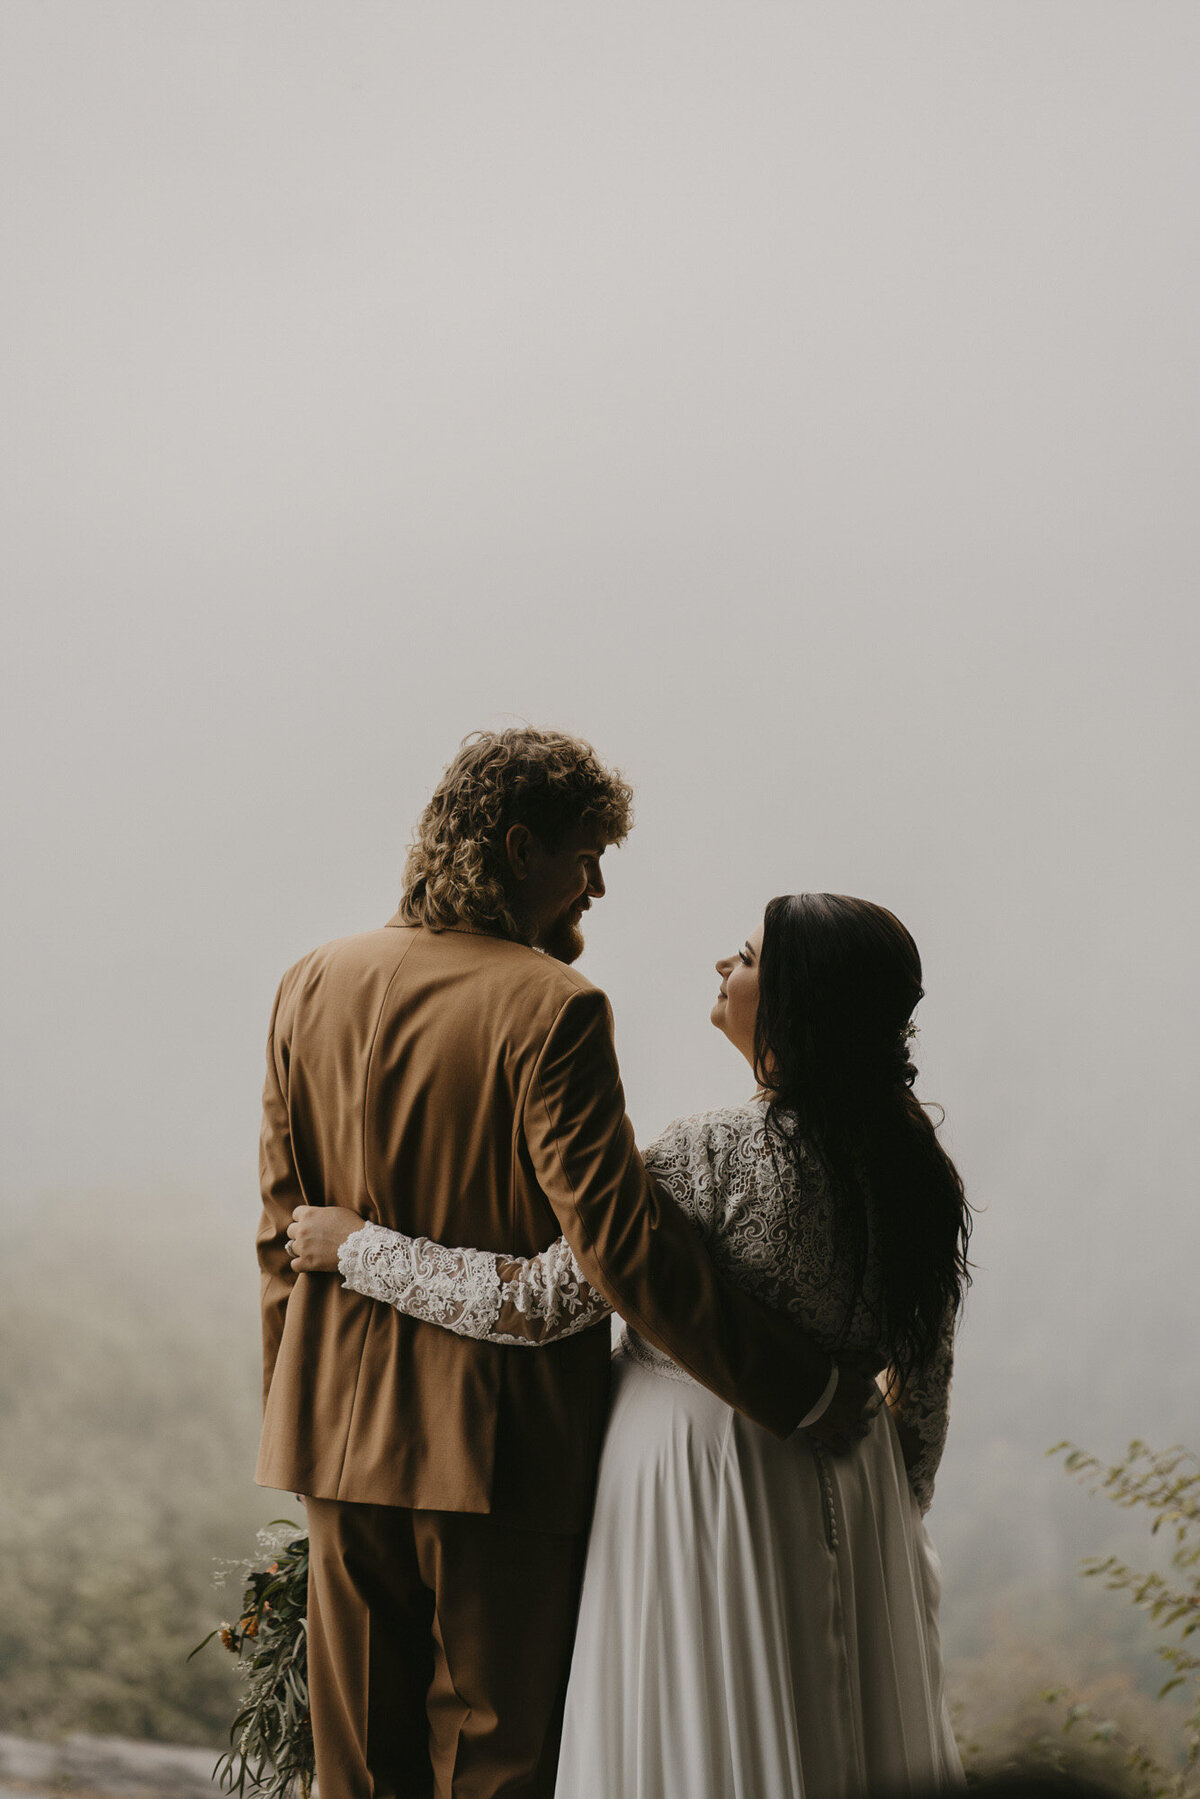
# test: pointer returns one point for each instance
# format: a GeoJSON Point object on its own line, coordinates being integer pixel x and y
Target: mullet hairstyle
{"type": "Point", "coordinates": [457, 869]}
{"type": "Point", "coordinates": [838, 981]}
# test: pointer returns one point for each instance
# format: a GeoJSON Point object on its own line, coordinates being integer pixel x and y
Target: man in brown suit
{"type": "Point", "coordinates": [451, 1076]}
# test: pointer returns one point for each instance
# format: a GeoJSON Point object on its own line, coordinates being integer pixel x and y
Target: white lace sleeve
{"type": "Point", "coordinates": [527, 1301]}
{"type": "Point", "coordinates": [923, 1411]}
{"type": "Point", "coordinates": [681, 1161]}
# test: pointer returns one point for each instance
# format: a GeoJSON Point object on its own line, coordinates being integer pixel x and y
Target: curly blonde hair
{"type": "Point", "coordinates": [457, 868]}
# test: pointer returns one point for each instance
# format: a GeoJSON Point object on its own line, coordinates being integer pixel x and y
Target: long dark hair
{"type": "Point", "coordinates": [838, 981]}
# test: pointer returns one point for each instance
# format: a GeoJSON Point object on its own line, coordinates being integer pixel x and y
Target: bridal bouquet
{"type": "Point", "coordinates": [272, 1752]}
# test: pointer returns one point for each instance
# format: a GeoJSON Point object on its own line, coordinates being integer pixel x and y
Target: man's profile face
{"type": "Point", "coordinates": [556, 887]}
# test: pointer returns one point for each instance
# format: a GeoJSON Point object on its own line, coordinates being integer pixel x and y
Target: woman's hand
{"type": "Point", "coordinates": [315, 1235]}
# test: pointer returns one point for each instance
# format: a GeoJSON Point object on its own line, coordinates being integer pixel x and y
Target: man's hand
{"type": "Point", "coordinates": [847, 1418]}
{"type": "Point", "coordinates": [315, 1235]}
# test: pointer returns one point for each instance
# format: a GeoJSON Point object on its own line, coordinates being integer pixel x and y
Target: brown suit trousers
{"type": "Point", "coordinates": [439, 1645]}
{"type": "Point", "coordinates": [462, 1087]}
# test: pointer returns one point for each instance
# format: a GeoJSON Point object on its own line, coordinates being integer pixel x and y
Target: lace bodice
{"type": "Point", "coordinates": [769, 1230]}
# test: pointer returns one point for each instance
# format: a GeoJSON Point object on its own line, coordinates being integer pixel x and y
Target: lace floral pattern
{"type": "Point", "coordinates": [441, 1286]}
{"type": "Point", "coordinates": [768, 1228]}
{"type": "Point", "coordinates": [522, 1301]}
{"type": "Point", "coordinates": [924, 1406]}
{"type": "Point", "coordinates": [549, 1294]}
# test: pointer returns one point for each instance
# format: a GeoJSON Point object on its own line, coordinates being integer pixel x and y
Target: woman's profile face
{"type": "Point", "coordinates": [737, 1003]}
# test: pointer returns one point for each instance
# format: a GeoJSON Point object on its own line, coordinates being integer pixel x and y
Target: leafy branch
{"type": "Point", "coordinates": [1166, 1483]}
{"type": "Point", "coordinates": [271, 1734]}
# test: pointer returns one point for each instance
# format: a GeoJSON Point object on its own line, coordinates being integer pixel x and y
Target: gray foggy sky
{"type": "Point", "coordinates": [799, 401]}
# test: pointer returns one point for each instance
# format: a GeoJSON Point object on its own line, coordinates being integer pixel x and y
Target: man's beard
{"type": "Point", "coordinates": [564, 940]}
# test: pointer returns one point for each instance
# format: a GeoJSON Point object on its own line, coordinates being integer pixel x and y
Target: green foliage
{"type": "Point", "coordinates": [1002, 1721]}
{"type": "Point", "coordinates": [272, 1731]}
{"type": "Point", "coordinates": [1166, 1483]}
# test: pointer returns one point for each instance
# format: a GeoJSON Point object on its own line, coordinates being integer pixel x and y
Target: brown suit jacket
{"type": "Point", "coordinates": [462, 1087]}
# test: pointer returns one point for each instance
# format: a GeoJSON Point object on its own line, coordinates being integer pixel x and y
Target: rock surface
{"type": "Point", "coordinates": [89, 1767]}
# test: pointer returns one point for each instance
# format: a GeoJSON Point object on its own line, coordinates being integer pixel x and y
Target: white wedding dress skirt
{"type": "Point", "coordinates": [759, 1620]}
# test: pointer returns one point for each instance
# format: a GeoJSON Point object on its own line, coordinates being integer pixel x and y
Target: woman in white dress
{"type": "Point", "coordinates": [759, 1618]}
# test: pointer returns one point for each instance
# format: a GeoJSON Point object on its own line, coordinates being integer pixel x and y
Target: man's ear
{"type": "Point", "coordinates": [518, 842]}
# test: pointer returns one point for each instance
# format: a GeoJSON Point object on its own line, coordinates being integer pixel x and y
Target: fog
{"type": "Point", "coordinates": [799, 403]}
